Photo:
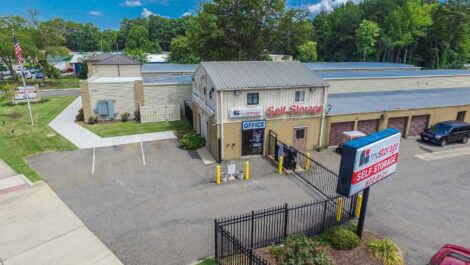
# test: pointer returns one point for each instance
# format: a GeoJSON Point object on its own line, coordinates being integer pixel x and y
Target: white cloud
{"type": "Point", "coordinates": [131, 3]}
{"type": "Point", "coordinates": [328, 5]}
{"type": "Point", "coordinates": [95, 13]}
{"type": "Point", "coordinates": [146, 13]}
{"type": "Point", "coordinates": [187, 13]}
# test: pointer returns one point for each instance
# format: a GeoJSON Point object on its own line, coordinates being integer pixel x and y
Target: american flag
{"type": "Point", "coordinates": [18, 52]}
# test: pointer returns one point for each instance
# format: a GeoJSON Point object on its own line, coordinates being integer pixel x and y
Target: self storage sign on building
{"type": "Point", "coordinates": [367, 160]}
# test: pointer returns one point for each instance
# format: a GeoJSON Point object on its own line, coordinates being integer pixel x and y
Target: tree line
{"type": "Point", "coordinates": [427, 33]}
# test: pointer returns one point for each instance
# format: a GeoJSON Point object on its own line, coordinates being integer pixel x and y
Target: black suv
{"type": "Point", "coordinates": [446, 132]}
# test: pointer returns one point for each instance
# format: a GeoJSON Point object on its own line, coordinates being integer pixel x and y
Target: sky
{"type": "Point", "coordinates": [107, 14]}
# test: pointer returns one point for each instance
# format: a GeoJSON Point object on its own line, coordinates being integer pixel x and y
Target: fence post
{"type": "Point", "coordinates": [252, 229]}
{"type": "Point", "coordinates": [247, 170]}
{"type": "Point", "coordinates": [286, 220]}
{"type": "Point", "coordinates": [307, 162]}
{"type": "Point", "coordinates": [216, 256]}
{"type": "Point", "coordinates": [339, 209]}
{"type": "Point", "coordinates": [358, 206]}
{"type": "Point", "coordinates": [217, 174]}
{"type": "Point", "coordinates": [324, 216]}
{"type": "Point", "coordinates": [281, 162]}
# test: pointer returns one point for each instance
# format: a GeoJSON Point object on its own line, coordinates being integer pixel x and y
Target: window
{"type": "Point", "coordinates": [300, 133]}
{"type": "Point", "coordinates": [461, 115]}
{"type": "Point", "coordinates": [252, 99]}
{"type": "Point", "coordinates": [299, 96]}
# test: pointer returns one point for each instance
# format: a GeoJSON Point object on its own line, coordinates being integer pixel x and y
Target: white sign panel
{"type": "Point", "coordinates": [367, 160]}
{"type": "Point", "coordinates": [20, 92]}
{"type": "Point", "coordinates": [375, 162]}
{"type": "Point", "coordinates": [245, 112]}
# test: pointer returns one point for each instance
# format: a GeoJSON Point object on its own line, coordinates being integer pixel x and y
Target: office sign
{"type": "Point", "coordinates": [245, 112]}
{"type": "Point", "coordinates": [367, 160]}
{"type": "Point", "coordinates": [251, 125]}
{"type": "Point", "coordinates": [21, 92]}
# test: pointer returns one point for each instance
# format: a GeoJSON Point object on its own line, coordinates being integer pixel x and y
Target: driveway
{"type": "Point", "coordinates": [425, 204]}
{"type": "Point", "coordinates": [36, 227]}
{"type": "Point", "coordinates": [157, 204]}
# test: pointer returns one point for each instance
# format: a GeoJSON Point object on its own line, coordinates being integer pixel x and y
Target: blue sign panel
{"type": "Point", "coordinates": [251, 125]}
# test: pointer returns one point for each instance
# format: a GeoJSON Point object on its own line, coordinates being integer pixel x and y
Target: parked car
{"type": "Point", "coordinates": [348, 136]}
{"type": "Point", "coordinates": [39, 75]}
{"type": "Point", "coordinates": [27, 75]}
{"type": "Point", "coordinates": [446, 132]}
{"type": "Point", "coordinates": [451, 255]}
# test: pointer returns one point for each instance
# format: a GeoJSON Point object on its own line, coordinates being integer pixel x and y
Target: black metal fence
{"type": "Point", "coordinates": [188, 111]}
{"type": "Point", "coordinates": [238, 238]}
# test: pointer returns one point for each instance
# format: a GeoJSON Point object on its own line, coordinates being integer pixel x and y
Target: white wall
{"type": "Point", "coordinates": [123, 95]}
{"type": "Point", "coordinates": [160, 95]}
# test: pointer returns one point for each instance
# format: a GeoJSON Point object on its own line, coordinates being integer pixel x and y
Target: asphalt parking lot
{"type": "Point", "coordinates": [425, 204]}
{"type": "Point", "coordinates": [162, 212]}
{"type": "Point", "coordinates": [155, 203]}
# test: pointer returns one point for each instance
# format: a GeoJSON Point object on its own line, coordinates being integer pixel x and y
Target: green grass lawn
{"type": "Point", "coordinates": [51, 83]}
{"type": "Point", "coordinates": [19, 139]}
{"type": "Point", "coordinates": [119, 128]}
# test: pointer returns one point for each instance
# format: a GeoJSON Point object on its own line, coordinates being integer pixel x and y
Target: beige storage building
{"type": "Point", "coordinates": [235, 104]}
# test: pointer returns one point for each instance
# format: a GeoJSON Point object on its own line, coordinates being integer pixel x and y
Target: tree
{"type": "Point", "coordinates": [136, 54]}
{"type": "Point", "coordinates": [138, 40]}
{"type": "Point", "coordinates": [366, 37]}
{"type": "Point", "coordinates": [307, 52]}
{"type": "Point", "coordinates": [181, 53]}
{"type": "Point", "coordinates": [294, 29]}
{"type": "Point", "coordinates": [235, 30]}
{"type": "Point", "coordinates": [109, 40]}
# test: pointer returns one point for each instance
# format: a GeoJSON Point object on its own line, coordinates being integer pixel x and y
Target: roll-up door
{"type": "Point", "coordinates": [398, 123]}
{"type": "Point", "coordinates": [418, 124]}
{"type": "Point", "coordinates": [368, 126]}
{"type": "Point", "coordinates": [335, 132]}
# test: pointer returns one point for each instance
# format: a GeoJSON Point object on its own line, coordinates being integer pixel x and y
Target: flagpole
{"type": "Point", "coordinates": [27, 96]}
{"type": "Point", "coordinates": [24, 83]}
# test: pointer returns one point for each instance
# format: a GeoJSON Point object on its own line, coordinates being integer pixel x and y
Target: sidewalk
{"type": "Point", "coordinates": [10, 180]}
{"type": "Point", "coordinates": [38, 228]}
{"type": "Point", "coordinates": [65, 125]}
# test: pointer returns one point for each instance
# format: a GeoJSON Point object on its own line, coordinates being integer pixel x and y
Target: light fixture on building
{"type": "Point", "coordinates": [383, 115]}
{"type": "Point", "coordinates": [312, 90]}
{"type": "Point", "coordinates": [328, 108]}
{"type": "Point", "coordinates": [237, 92]}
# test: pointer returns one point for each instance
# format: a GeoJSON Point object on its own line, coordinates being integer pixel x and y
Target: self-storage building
{"type": "Point", "coordinates": [235, 104]}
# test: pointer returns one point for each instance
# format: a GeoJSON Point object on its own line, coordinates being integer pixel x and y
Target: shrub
{"type": "Point", "coordinates": [342, 239]}
{"type": "Point", "coordinates": [300, 249]}
{"type": "Point", "coordinates": [125, 116]}
{"type": "Point", "coordinates": [137, 115]}
{"type": "Point", "coordinates": [192, 141]}
{"type": "Point", "coordinates": [385, 250]}
{"type": "Point", "coordinates": [93, 119]}
{"type": "Point", "coordinates": [80, 116]}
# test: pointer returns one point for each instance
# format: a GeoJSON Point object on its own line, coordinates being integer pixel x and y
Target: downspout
{"type": "Point", "coordinates": [322, 120]}
{"type": "Point", "coordinates": [119, 71]}
{"type": "Point", "coordinates": [221, 127]}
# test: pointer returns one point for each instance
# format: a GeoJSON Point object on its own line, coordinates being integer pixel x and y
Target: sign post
{"type": "Point", "coordinates": [366, 161]}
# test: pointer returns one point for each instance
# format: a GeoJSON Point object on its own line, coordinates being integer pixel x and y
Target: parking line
{"type": "Point", "coordinates": [93, 164]}
{"type": "Point", "coordinates": [143, 154]}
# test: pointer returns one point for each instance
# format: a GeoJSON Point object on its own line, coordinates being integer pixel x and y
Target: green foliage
{"type": "Point", "coordinates": [137, 115]}
{"type": "Point", "coordinates": [181, 53]}
{"type": "Point", "coordinates": [342, 238]}
{"type": "Point", "coordinates": [385, 250]}
{"type": "Point", "coordinates": [83, 73]}
{"type": "Point", "coordinates": [300, 250]}
{"type": "Point", "coordinates": [308, 52]}
{"type": "Point", "coordinates": [125, 116]}
{"type": "Point", "coordinates": [192, 141]}
{"type": "Point", "coordinates": [137, 54]}
{"type": "Point", "coordinates": [366, 37]}
{"type": "Point", "coordinates": [93, 119]}
{"type": "Point", "coordinates": [80, 116]}
{"type": "Point", "coordinates": [138, 39]}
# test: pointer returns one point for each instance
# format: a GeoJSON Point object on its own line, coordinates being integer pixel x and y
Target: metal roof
{"type": "Point", "coordinates": [115, 79]}
{"type": "Point", "coordinates": [335, 66]}
{"type": "Point", "coordinates": [351, 103]}
{"type": "Point", "coordinates": [168, 79]}
{"type": "Point", "coordinates": [260, 74]}
{"type": "Point", "coordinates": [118, 59]}
{"type": "Point", "coordinates": [168, 68]}
{"type": "Point", "coordinates": [100, 57]}
{"type": "Point", "coordinates": [391, 74]}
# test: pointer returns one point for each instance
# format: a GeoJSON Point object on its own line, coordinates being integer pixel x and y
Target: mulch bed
{"type": "Point", "coordinates": [357, 256]}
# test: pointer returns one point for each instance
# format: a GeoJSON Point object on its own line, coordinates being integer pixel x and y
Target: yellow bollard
{"type": "Point", "coordinates": [217, 174]}
{"type": "Point", "coordinates": [247, 170]}
{"type": "Point", "coordinates": [307, 162]}
{"type": "Point", "coordinates": [281, 162]}
{"type": "Point", "coordinates": [359, 205]}
{"type": "Point", "coordinates": [339, 210]}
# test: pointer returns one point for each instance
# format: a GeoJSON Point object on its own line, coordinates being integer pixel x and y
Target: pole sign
{"type": "Point", "coordinates": [20, 92]}
{"type": "Point", "coordinates": [367, 160]}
